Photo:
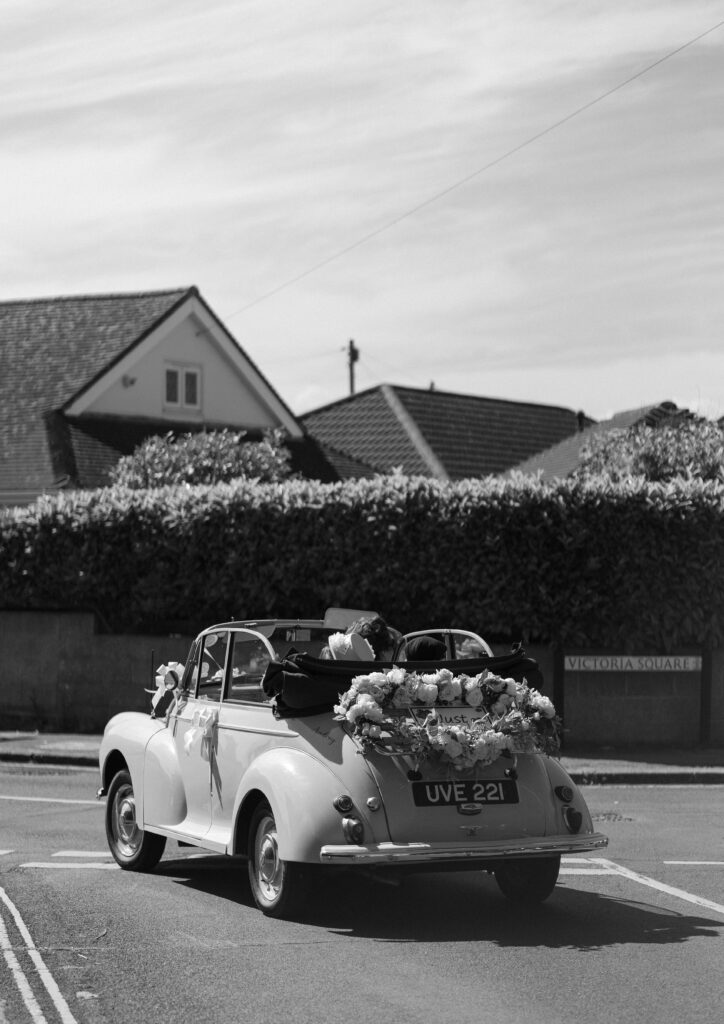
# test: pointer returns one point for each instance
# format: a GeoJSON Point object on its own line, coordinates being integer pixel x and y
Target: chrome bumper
{"type": "Point", "coordinates": [432, 853]}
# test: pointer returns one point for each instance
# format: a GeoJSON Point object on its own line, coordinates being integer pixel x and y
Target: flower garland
{"type": "Point", "coordinates": [511, 716]}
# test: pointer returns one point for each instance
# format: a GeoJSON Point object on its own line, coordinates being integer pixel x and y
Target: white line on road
{"type": "Point", "coordinates": [586, 871]}
{"type": "Point", "coordinates": [52, 800]}
{"type": "Point", "coordinates": [82, 853]}
{"type": "Point", "coordinates": [3, 852]}
{"type": "Point", "coordinates": [19, 977]}
{"type": "Point", "coordinates": [696, 863]}
{"type": "Point", "coordinates": [661, 886]}
{"type": "Point", "coordinates": [45, 976]}
{"type": "Point", "coordinates": [71, 865]}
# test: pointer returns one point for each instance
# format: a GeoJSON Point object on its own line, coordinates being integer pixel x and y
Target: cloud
{"type": "Point", "coordinates": [238, 145]}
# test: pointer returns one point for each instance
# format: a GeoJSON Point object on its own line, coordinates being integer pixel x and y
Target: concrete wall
{"type": "Point", "coordinates": [623, 709]}
{"type": "Point", "coordinates": [59, 674]}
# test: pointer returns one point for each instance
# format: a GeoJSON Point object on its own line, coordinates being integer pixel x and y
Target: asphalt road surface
{"type": "Point", "coordinates": [632, 935]}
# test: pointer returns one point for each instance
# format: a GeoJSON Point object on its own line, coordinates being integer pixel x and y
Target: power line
{"type": "Point", "coordinates": [474, 174]}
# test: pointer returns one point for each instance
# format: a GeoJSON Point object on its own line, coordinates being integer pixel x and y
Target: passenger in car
{"type": "Point", "coordinates": [377, 634]}
{"type": "Point", "coordinates": [349, 647]}
{"type": "Point", "coordinates": [425, 648]}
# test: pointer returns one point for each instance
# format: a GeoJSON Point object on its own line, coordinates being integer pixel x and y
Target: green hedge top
{"type": "Point", "coordinates": [631, 563]}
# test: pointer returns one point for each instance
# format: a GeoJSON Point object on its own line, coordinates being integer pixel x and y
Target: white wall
{"type": "Point", "coordinates": [225, 396]}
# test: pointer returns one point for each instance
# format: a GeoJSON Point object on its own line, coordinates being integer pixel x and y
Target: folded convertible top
{"type": "Point", "coordinates": [303, 685]}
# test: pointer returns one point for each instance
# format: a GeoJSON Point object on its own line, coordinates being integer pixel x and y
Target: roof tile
{"type": "Point", "coordinates": [471, 436]}
{"type": "Point", "coordinates": [49, 350]}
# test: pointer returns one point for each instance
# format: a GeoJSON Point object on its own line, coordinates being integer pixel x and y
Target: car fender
{"type": "Point", "coordinates": [300, 790]}
{"type": "Point", "coordinates": [164, 802]}
{"type": "Point", "coordinates": [558, 776]}
{"type": "Point", "coordinates": [124, 743]}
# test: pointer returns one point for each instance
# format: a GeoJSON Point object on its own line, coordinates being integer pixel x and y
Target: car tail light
{"type": "Point", "coordinates": [343, 803]}
{"type": "Point", "coordinates": [573, 819]}
{"type": "Point", "coordinates": [353, 830]}
{"type": "Point", "coordinates": [564, 793]}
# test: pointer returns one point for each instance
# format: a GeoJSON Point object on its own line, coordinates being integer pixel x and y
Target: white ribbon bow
{"type": "Point", "coordinates": [202, 726]}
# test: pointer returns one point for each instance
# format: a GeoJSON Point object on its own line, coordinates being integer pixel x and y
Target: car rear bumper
{"type": "Point", "coordinates": [432, 853]}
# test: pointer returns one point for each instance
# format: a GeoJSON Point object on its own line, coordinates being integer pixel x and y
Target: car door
{"type": "Point", "coordinates": [246, 725]}
{"type": "Point", "coordinates": [194, 731]}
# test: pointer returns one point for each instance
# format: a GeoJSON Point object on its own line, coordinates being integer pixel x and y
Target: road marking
{"type": "Point", "coordinates": [3, 852]}
{"type": "Point", "coordinates": [19, 977]}
{"type": "Point", "coordinates": [582, 866]}
{"type": "Point", "coordinates": [586, 871]}
{"type": "Point", "coordinates": [82, 853]}
{"type": "Point", "coordinates": [719, 863]}
{"type": "Point", "coordinates": [670, 890]}
{"type": "Point", "coordinates": [51, 800]}
{"type": "Point", "coordinates": [45, 976]}
{"type": "Point", "coordinates": [71, 865]}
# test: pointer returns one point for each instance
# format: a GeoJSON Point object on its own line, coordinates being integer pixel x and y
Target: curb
{"type": "Point", "coordinates": [671, 778]}
{"type": "Point", "coordinates": [58, 759]}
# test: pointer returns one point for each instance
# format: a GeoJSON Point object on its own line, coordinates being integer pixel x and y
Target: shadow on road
{"type": "Point", "coordinates": [460, 907]}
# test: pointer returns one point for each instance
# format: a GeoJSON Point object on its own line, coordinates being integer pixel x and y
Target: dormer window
{"type": "Point", "coordinates": [183, 387]}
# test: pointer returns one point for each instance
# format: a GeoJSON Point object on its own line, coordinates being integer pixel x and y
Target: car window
{"type": "Point", "coordinates": [191, 671]}
{"type": "Point", "coordinates": [212, 663]}
{"type": "Point", "coordinates": [250, 656]}
{"type": "Point", "coordinates": [463, 643]}
{"type": "Point", "coordinates": [469, 646]}
{"type": "Point", "coordinates": [304, 639]}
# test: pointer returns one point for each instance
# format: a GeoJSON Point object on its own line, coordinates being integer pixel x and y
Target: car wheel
{"type": "Point", "coordinates": [133, 849]}
{"type": "Point", "coordinates": [278, 886]}
{"type": "Point", "coordinates": [528, 881]}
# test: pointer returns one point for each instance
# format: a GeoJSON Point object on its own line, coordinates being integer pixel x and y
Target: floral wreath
{"type": "Point", "coordinates": [512, 716]}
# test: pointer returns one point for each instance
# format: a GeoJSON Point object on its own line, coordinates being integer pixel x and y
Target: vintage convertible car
{"type": "Point", "coordinates": [260, 747]}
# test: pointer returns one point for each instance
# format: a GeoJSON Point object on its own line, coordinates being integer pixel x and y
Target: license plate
{"type": "Point", "coordinates": [450, 794]}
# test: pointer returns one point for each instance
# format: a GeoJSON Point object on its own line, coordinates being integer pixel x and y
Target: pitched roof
{"type": "Point", "coordinates": [345, 466]}
{"type": "Point", "coordinates": [95, 444]}
{"type": "Point", "coordinates": [562, 459]}
{"type": "Point", "coordinates": [437, 433]}
{"type": "Point", "coordinates": [50, 349]}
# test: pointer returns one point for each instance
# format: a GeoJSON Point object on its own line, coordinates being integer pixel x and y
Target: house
{"type": "Point", "coordinates": [433, 433]}
{"type": "Point", "coordinates": [562, 459]}
{"type": "Point", "coordinates": [85, 379]}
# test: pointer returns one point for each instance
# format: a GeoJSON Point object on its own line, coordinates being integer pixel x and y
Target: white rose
{"type": "Point", "coordinates": [450, 690]}
{"type": "Point", "coordinates": [473, 694]}
{"type": "Point", "coordinates": [542, 704]}
{"type": "Point", "coordinates": [396, 676]}
{"type": "Point", "coordinates": [502, 704]}
{"type": "Point", "coordinates": [426, 692]}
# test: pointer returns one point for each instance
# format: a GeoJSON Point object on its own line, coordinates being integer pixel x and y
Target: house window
{"type": "Point", "coordinates": [183, 387]}
{"type": "Point", "coordinates": [172, 387]}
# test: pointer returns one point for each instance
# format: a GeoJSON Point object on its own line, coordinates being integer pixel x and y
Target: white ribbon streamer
{"type": "Point", "coordinates": [202, 729]}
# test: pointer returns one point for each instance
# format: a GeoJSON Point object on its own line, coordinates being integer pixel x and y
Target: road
{"type": "Point", "coordinates": [634, 934]}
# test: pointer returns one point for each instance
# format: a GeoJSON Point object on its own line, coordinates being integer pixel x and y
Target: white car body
{"type": "Point", "coordinates": [224, 771]}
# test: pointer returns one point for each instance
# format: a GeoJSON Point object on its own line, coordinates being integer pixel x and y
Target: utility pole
{"type": "Point", "coordinates": [352, 357]}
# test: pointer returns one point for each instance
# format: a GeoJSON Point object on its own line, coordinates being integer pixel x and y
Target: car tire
{"type": "Point", "coordinates": [528, 881]}
{"type": "Point", "coordinates": [132, 848]}
{"type": "Point", "coordinates": [279, 887]}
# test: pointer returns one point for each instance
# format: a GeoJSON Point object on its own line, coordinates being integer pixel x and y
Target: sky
{"type": "Point", "coordinates": [503, 199]}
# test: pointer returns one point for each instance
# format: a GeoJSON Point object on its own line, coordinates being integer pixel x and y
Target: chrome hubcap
{"type": "Point", "coordinates": [126, 831]}
{"type": "Point", "coordinates": [269, 866]}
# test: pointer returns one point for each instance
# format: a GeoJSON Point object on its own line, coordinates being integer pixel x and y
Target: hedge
{"type": "Point", "coordinates": [632, 564]}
